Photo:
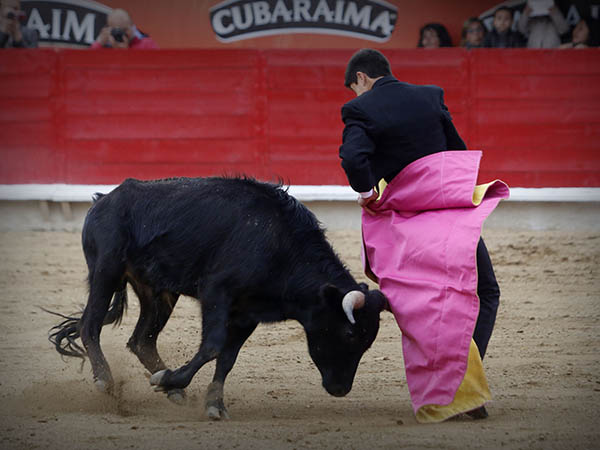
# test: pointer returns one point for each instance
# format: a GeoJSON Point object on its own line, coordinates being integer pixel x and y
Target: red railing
{"type": "Point", "coordinates": [97, 117]}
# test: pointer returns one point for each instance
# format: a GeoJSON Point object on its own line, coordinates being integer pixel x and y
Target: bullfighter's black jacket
{"type": "Point", "coordinates": [390, 126]}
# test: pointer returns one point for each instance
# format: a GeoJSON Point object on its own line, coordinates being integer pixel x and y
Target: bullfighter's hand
{"type": "Point", "coordinates": [366, 201]}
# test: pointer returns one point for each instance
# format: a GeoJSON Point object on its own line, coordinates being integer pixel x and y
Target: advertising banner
{"type": "Point", "coordinates": [66, 23]}
{"type": "Point", "coordinates": [373, 20]}
{"type": "Point", "coordinates": [264, 24]}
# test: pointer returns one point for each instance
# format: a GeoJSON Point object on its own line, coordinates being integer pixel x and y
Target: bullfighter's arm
{"type": "Point", "coordinates": [356, 149]}
{"type": "Point", "coordinates": [453, 139]}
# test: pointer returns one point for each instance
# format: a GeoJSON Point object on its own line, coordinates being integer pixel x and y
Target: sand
{"type": "Point", "coordinates": [542, 364]}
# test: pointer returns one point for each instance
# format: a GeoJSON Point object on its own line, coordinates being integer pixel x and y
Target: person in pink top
{"type": "Point", "coordinates": [121, 32]}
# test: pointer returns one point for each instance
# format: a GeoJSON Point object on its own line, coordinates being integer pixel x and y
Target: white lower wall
{"type": "Point", "coordinates": [63, 207]}
{"type": "Point", "coordinates": [29, 215]}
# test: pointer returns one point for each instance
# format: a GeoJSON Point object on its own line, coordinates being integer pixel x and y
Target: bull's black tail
{"type": "Point", "coordinates": [64, 334]}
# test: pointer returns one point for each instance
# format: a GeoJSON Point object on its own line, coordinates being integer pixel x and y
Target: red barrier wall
{"type": "Point", "coordinates": [97, 117]}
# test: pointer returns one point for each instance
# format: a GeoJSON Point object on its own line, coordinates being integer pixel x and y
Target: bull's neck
{"type": "Point", "coordinates": [306, 299]}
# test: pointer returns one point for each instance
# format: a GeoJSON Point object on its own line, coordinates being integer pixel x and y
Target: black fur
{"type": "Point", "coordinates": [69, 328]}
{"type": "Point", "coordinates": [247, 250]}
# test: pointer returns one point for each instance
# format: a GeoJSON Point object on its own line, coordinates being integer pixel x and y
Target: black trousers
{"type": "Point", "coordinates": [489, 299]}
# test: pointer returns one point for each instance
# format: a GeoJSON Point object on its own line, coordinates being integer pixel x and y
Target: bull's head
{"type": "Point", "coordinates": [341, 331]}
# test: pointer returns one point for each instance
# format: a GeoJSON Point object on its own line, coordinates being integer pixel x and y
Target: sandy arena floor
{"type": "Point", "coordinates": [543, 365]}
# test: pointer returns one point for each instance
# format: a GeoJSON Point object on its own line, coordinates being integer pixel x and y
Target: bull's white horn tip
{"type": "Point", "coordinates": [352, 300]}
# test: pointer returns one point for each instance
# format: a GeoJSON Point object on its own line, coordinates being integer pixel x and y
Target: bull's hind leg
{"type": "Point", "coordinates": [103, 284]}
{"type": "Point", "coordinates": [236, 336]}
{"type": "Point", "coordinates": [155, 310]}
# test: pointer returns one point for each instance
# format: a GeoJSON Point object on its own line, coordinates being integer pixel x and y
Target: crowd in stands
{"type": "Point", "coordinates": [119, 32]}
{"type": "Point", "coordinates": [535, 28]}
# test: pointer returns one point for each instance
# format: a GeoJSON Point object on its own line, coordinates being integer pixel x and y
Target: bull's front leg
{"type": "Point", "coordinates": [167, 380]}
{"type": "Point", "coordinates": [214, 334]}
{"type": "Point", "coordinates": [236, 336]}
{"type": "Point", "coordinates": [155, 310]}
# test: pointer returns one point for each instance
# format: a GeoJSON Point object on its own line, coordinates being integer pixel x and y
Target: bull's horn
{"type": "Point", "coordinates": [353, 300]}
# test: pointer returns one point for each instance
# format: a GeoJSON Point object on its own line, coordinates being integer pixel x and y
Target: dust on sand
{"type": "Point", "coordinates": [542, 364]}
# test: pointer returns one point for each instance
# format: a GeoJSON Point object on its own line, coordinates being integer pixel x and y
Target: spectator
{"type": "Point", "coordinates": [434, 35]}
{"type": "Point", "coordinates": [12, 32]}
{"type": "Point", "coordinates": [543, 27]}
{"type": "Point", "coordinates": [502, 35]}
{"type": "Point", "coordinates": [473, 33]}
{"type": "Point", "coordinates": [120, 32]}
{"type": "Point", "coordinates": [581, 37]}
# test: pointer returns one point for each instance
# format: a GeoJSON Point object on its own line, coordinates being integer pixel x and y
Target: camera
{"type": "Point", "coordinates": [11, 15]}
{"type": "Point", "coordinates": [117, 34]}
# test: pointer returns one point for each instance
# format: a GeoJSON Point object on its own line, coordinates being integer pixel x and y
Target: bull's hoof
{"type": "Point", "coordinates": [215, 408]}
{"type": "Point", "coordinates": [217, 412]}
{"type": "Point", "coordinates": [104, 386]}
{"type": "Point", "coordinates": [177, 396]}
{"type": "Point", "coordinates": [156, 378]}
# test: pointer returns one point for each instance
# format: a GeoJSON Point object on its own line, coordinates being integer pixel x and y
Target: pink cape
{"type": "Point", "coordinates": [421, 245]}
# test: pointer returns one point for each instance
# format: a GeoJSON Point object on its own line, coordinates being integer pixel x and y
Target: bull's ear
{"type": "Point", "coordinates": [331, 293]}
{"type": "Point", "coordinates": [379, 300]}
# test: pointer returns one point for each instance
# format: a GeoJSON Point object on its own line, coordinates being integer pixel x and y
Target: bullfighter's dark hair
{"type": "Point", "coordinates": [368, 61]}
{"type": "Point", "coordinates": [441, 31]}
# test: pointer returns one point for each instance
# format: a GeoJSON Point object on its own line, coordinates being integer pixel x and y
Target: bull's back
{"type": "Point", "coordinates": [183, 229]}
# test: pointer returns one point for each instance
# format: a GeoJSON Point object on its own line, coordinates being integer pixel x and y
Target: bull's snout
{"type": "Point", "coordinates": [337, 390]}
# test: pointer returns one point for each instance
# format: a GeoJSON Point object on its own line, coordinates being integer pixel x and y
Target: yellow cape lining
{"type": "Point", "coordinates": [472, 393]}
{"type": "Point", "coordinates": [479, 192]}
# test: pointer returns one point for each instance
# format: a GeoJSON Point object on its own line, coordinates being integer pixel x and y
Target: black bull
{"type": "Point", "coordinates": [247, 250]}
